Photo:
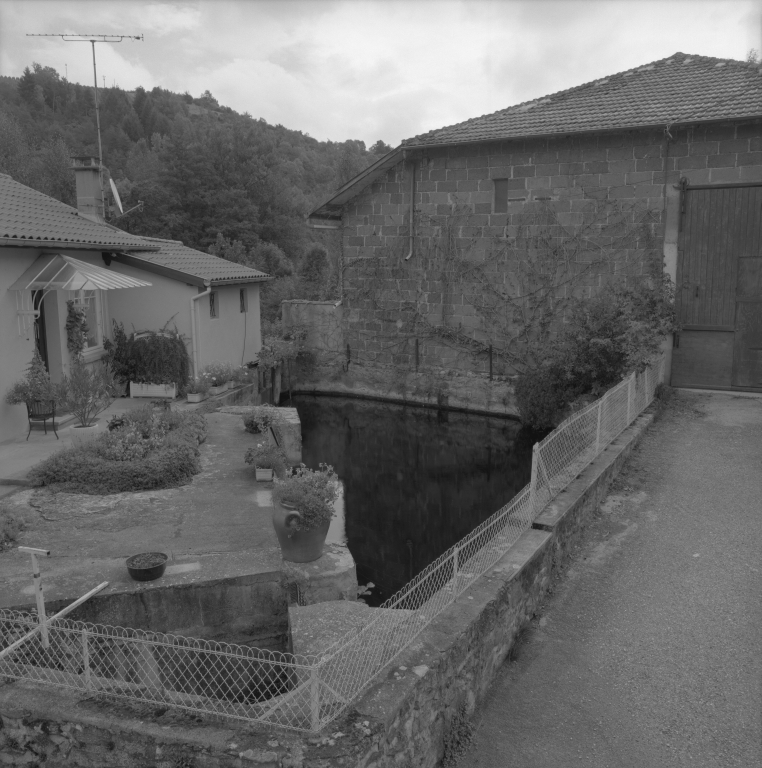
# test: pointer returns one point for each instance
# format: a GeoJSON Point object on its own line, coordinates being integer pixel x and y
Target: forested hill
{"type": "Point", "coordinates": [199, 168]}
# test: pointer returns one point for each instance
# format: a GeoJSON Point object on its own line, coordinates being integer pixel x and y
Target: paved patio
{"type": "Point", "coordinates": [218, 526]}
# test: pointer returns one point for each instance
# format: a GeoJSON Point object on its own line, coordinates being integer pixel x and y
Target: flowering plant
{"type": "Point", "coordinates": [198, 385]}
{"type": "Point", "coordinates": [312, 491]}
{"type": "Point", "coordinates": [261, 418]}
{"type": "Point", "coordinates": [266, 456]}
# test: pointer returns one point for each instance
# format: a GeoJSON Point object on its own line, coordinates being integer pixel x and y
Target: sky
{"type": "Point", "coordinates": [370, 69]}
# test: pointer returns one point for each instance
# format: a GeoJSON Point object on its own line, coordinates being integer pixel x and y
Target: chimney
{"type": "Point", "coordinates": [89, 190]}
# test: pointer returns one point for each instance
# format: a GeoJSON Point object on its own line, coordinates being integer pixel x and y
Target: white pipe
{"type": "Point", "coordinates": [193, 325]}
{"type": "Point", "coordinates": [412, 209]}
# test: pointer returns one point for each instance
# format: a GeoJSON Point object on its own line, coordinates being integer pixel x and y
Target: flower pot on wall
{"type": "Point", "coordinates": [218, 390]}
{"type": "Point", "coordinates": [196, 397]}
{"type": "Point", "coordinates": [153, 390]}
{"type": "Point", "coordinates": [298, 546]}
{"type": "Point", "coordinates": [264, 475]}
{"type": "Point", "coordinates": [82, 435]}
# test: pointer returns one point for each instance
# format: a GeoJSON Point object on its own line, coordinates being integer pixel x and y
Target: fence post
{"type": "Point", "coordinates": [86, 660]}
{"type": "Point", "coordinates": [455, 568]}
{"type": "Point", "coordinates": [598, 428]}
{"type": "Point", "coordinates": [533, 482]}
{"type": "Point", "coordinates": [314, 699]}
{"type": "Point", "coordinates": [629, 398]}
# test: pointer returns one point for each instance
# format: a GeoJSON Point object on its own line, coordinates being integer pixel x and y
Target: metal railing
{"type": "Point", "coordinates": [306, 693]}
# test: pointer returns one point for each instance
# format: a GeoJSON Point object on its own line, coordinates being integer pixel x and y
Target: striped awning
{"type": "Point", "coordinates": [56, 272]}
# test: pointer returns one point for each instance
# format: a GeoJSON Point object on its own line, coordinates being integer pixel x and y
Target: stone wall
{"type": "Point", "coordinates": [417, 326]}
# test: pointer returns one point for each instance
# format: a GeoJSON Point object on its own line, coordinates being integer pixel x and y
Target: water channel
{"type": "Point", "coordinates": [415, 480]}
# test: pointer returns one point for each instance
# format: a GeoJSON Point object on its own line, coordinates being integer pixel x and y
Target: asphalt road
{"type": "Point", "coordinates": [649, 651]}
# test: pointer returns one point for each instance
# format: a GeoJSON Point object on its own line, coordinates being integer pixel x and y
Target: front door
{"type": "Point", "coordinates": [40, 337]}
{"type": "Point", "coordinates": [719, 289]}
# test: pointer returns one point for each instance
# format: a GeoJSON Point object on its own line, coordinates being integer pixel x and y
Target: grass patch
{"type": "Point", "coordinates": [142, 450]}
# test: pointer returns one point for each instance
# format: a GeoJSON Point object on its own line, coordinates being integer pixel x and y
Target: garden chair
{"type": "Point", "coordinates": [41, 410]}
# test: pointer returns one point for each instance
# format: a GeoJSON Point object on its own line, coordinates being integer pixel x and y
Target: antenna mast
{"type": "Point", "coordinates": [93, 39]}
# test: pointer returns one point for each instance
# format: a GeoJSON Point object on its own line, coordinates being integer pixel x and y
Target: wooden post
{"type": "Point", "coordinates": [490, 362]}
{"type": "Point", "coordinates": [38, 596]}
{"type": "Point", "coordinates": [629, 398]}
{"type": "Point", "coordinates": [416, 355]}
{"type": "Point", "coordinates": [455, 568]}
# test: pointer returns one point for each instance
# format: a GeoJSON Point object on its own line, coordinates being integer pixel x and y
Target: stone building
{"type": "Point", "coordinates": [462, 242]}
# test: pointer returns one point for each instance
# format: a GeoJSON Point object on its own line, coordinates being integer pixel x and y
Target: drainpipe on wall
{"type": "Point", "coordinates": [194, 344]}
{"type": "Point", "coordinates": [412, 207]}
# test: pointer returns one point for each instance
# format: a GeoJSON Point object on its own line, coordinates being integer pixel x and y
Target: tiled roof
{"type": "Point", "coordinates": [679, 89]}
{"type": "Point", "coordinates": [172, 254]}
{"type": "Point", "coordinates": [30, 218]}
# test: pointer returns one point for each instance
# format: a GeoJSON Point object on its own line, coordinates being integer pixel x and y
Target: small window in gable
{"type": "Point", "coordinates": [500, 204]}
{"type": "Point", "coordinates": [243, 298]}
{"type": "Point", "coordinates": [214, 310]}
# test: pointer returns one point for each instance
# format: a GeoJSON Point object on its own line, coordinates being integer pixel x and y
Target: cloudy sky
{"type": "Point", "coordinates": [370, 69]}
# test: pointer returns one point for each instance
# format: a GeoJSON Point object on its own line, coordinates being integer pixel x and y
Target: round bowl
{"type": "Point", "coordinates": [147, 566]}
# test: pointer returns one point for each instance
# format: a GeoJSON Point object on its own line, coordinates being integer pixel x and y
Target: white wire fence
{"type": "Point", "coordinates": [305, 693]}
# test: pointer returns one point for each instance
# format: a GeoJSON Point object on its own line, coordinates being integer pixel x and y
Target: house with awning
{"type": "Point", "coordinates": [51, 253]}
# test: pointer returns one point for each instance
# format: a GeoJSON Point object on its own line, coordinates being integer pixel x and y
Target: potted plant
{"type": "Point", "coordinates": [268, 460]}
{"type": "Point", "coordinates": [217, 374]}
{"type": "Point", "coordinates": [86, 392]}
{"type": "Point", "coordinates": [197, 389]}
{"type": "Point", "coordinates": [157, 362]}
{"type": "Point", "coordinates": [303, 511]}
{"type": "Point", "coordinates": [34, 387]}
{"type": "Point", "coordinates": [261, 418]}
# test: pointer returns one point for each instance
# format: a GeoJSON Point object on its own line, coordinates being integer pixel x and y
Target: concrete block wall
{"type": "Point", "coordinates": [385, 297]}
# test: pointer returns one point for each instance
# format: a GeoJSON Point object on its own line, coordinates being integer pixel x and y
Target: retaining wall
{"type": "Point", "coordinates": [410, 717]}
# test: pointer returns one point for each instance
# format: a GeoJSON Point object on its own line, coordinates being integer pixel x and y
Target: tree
{"type": "Point", "coordinates": [313, 272]}
{"type": "Point", "coordinates": [27, 85]}
{"type": "Point", "coordinates": [380, 148]}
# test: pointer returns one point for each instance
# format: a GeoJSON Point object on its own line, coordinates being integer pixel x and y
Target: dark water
{"type": "Point", "coordinates": [415, 480]}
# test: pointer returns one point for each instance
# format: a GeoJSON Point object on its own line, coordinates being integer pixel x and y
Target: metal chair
{"type": "Point", "coordinates": [41, 410]}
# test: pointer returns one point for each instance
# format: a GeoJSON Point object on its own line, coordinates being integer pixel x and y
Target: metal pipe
{"type": "Point", "coordinates": [194, 346]}
{"type": "Point", "coordinates": [412, 209]}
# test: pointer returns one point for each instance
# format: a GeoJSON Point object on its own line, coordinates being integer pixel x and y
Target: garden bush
{"type": "Point", "coordinates": [142, 450]}
{"type": "Point", "coordinates": [607, 338]}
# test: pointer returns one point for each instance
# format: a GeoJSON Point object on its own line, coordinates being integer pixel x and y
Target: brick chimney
{"type": "Point", "coordinates": [89, 191]}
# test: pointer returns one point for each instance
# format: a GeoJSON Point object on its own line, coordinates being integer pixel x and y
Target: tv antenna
{"type": "Point", "coordinates": [93, 39]}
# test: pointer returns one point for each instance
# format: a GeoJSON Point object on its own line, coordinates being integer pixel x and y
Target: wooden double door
{"type": "Point", "coordinates": [719, 289]}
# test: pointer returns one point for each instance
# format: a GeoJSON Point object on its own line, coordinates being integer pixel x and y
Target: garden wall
{"type": "Point", "coordinates": [412, 715]}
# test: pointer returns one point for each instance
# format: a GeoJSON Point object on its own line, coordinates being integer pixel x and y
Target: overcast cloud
{"type": "Point", "coordinates": [370, 69]}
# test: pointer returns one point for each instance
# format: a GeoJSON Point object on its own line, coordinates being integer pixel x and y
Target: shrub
{"type": "Point", "coordinates": [88, 390]}
{"type": "Point", "coordinates": [11, 525]}
{"type": "Point", "coordinates": [141, 450]}
{"type": "Point", "coordinates": [311, 491]}
{"type": "Point", "coordinates": [261, 418]}
{"type": "Point", "coordinates": [35, 385]}
{"type": "Point", "coordinates": [152, 357]}
{"type": "Point", "coordinates": [608, 337]}
{"type": "Point", "coordinates": [267, 456]}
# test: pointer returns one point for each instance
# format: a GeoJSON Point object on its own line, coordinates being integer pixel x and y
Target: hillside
{"type": "Point", "coordinates": [201, 169]}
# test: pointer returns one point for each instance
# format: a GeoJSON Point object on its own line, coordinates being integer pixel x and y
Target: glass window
{"type": "Point", "coordinates": [244, 299]}
{"type": "Point", "coordinates": [213, 308]}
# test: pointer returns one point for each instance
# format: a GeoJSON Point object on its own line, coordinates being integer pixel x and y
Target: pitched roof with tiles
{"type": "Point", "coordinates": [679, 89]}
{"type": "Point", "coordinates": [30, 218]}
{"type": "Point", "coordinates": [173, 255]}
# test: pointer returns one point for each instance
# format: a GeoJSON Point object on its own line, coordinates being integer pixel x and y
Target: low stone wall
{"type": "Point", "coordinates": [447, 389]}
{"type": "Point", "coordinates": [411, 716]}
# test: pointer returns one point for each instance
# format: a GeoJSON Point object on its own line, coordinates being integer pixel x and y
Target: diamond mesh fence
{"type": "Point", "coordinates": [300, 692]}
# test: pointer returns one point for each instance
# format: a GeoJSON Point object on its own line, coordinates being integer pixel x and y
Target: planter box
{"type": "Point", "coordinates": [264, 475]}
{"type": "Point", "coordinates": [218, 390]}
{"type": "Point", "coordinates": [153, 390]}
{"type": "Point", "coordinates": [196, 397]}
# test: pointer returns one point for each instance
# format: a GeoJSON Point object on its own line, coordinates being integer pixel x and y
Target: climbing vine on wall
{"type": "Point", "coordinates": [504, 293]}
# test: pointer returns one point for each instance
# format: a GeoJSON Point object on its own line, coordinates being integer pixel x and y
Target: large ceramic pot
{"type": "Point", "coordinates": [298, 546]}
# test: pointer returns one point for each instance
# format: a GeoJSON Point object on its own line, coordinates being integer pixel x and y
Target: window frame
{"type": "Point", "coordinates": [214, 305]}
{"type": "Point", "coordinates": [80, 298]}
{"type": "Point", "coordinates": [243, 300]}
